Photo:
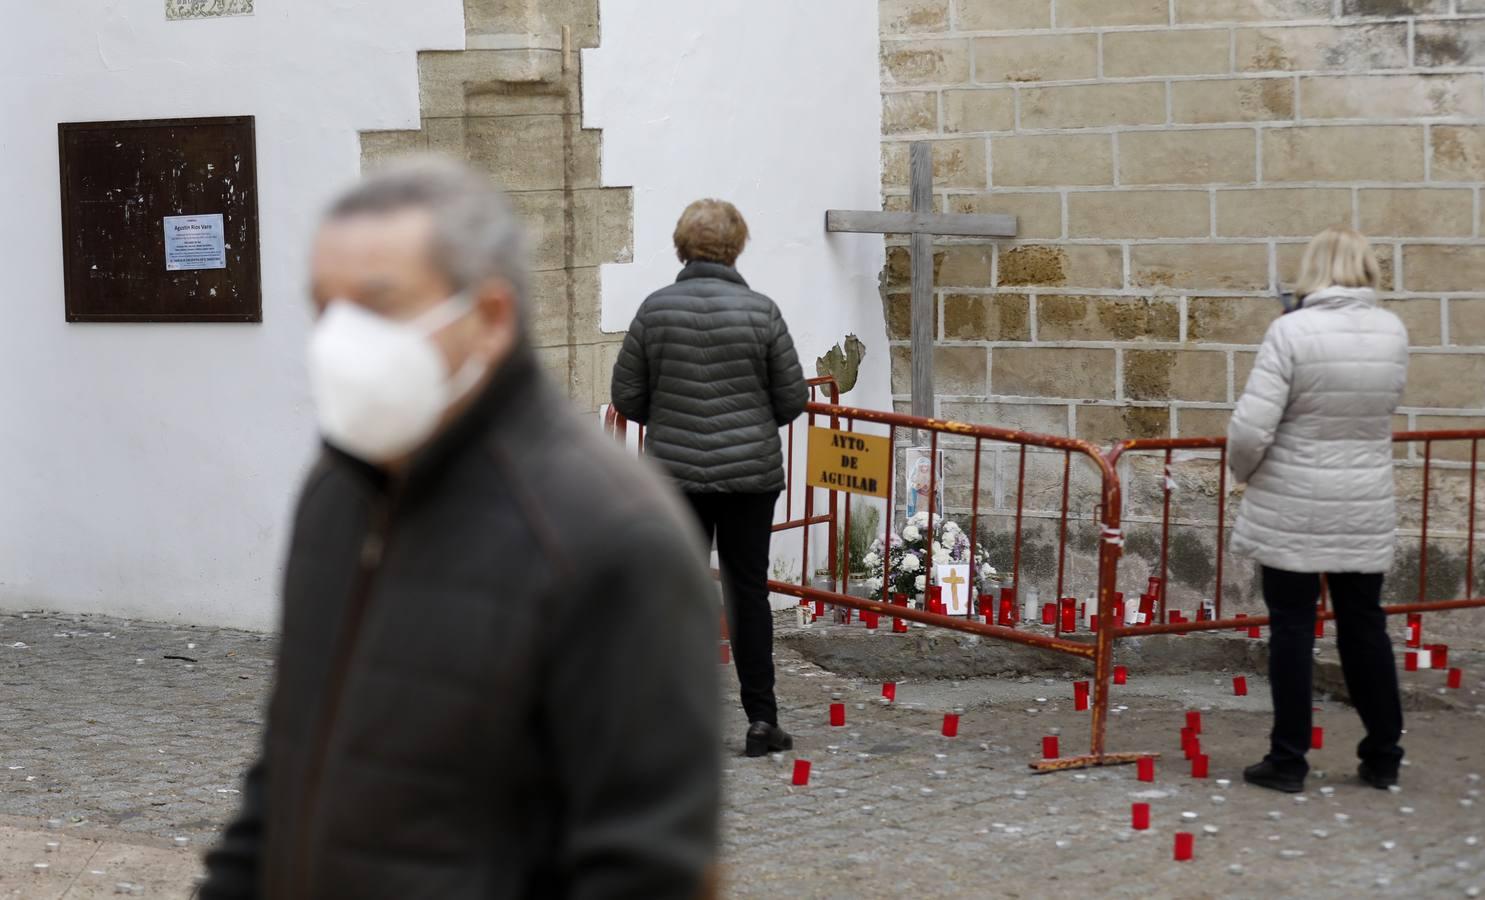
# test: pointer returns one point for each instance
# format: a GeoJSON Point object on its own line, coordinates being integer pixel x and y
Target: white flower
{"type": "Point", "coordinates": [909, 563]}
{"type": "Point", "coordinates": [937, 548]}
{"type": "Point", "coordinates": [988, 571]}
{"type": "Point", "coordinates": [871, 560]}
{"type": "Point", "coordinates": [874, 584]}
{"type": "Point", "coordinates": [920, 583]}
{"type": "Point", "coordinates": [911, 533]}
{"type": "Point", "coordinates": [942, 558]}
{"type": "Point", "coordinates": [920, 520]}
{"type": "Point", "coordinates": [951, 529]}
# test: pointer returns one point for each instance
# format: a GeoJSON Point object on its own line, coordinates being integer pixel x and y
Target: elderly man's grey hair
{"type": "Point", "coordinates": [476, 236]}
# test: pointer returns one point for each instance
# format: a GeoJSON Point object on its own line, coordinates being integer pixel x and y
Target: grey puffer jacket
{"type": "Point", "coordinates": [1312, 437]}
{"type": "Point", "coordinates": [709, 367]}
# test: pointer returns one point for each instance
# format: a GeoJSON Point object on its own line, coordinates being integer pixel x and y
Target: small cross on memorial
{"type": "Point", "coordinates": [923, 224]}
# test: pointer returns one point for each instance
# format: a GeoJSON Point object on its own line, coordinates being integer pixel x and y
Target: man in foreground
{"type": "Point", "coordinates": [497, 672]}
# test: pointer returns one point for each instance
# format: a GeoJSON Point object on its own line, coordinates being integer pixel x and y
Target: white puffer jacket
{"type": "Point", "coordinates": [1312, 433]}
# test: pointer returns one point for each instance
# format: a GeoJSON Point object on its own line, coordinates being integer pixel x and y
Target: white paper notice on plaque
{"type": "Point", "coordinates": [195, 242]}
{"type": "Point", "coordinates": [954, 582]}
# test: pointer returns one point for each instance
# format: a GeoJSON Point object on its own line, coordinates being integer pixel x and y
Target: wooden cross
{"type": "Point", "coordinates": [923, 224]}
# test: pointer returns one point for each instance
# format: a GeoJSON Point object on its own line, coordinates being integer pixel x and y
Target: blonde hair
{"type": "Point", "coordinates": [711, 230]}
{"type": "Point", "coordinates": [1338, 257]}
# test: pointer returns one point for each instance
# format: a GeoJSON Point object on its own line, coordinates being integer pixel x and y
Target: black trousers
{"type": "Point", "coordinates": [743, 527]}
{"type": "Point", "coordinates": [1366, 660]}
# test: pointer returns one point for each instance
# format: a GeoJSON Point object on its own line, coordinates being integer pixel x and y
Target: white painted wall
{"type": "Point", "coordinates": [774, 105]}
{"type": "Point", "coordinates": [148, 470]}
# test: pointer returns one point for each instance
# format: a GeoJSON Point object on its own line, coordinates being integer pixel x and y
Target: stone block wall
{"type": "Point", "coordinates": [1168, 160]}
{"type": "Point", "coordinates": [510, 104]}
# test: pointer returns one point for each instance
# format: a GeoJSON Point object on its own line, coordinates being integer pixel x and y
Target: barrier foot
{"type": "Point", "coordinates": [1043, 766]}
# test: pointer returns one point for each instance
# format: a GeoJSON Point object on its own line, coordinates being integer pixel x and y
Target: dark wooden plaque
{"type": "Point", "coordinates": [121, 181]}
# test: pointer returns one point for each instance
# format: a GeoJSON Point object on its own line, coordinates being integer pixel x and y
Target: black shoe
{"type": "Point", "coordinates": [1266, 774]}
{"type": "Point", "coordinates": [764, 739]}
{"type": "Point", "coordinates": [1379, 780]}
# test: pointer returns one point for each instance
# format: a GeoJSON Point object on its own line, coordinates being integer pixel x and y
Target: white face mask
{"type": "Point", "coordinates": [380, 387]}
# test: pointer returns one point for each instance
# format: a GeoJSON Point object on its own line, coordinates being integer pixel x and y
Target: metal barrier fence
{"type": "Point", "coordinates": [1108, 516]}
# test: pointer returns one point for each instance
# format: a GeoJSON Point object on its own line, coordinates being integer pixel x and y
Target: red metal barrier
{"type": "Point", "coordinates": [1110, 538]}
{"type": "Point", "coordinates": [1219, 446]}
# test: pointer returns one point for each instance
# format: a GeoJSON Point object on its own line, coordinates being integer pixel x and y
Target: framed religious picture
{"type": "Point", "coordinates": [923, 470]}
{"type": "Point", "coordinates": [160, 220]}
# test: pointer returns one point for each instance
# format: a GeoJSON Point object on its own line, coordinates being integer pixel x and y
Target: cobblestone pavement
{"type": "Point", "coordinates": [116, 752]}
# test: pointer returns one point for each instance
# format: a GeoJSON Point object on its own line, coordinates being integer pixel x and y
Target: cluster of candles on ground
{"type": "Point", "coordinates": [1066, 614]}
{"type": "Point", "coordinates": [1420, 656]}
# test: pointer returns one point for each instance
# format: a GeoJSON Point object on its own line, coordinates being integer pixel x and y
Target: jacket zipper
{"type": "Point", "coordinates": [373, 550]}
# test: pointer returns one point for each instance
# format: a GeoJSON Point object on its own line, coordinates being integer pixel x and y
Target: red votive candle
{"type": "Point", "coordinates": [1255, 631]}
{"type": "Point", "coordinates": [837, 715]}
{"type": "Point", "coordinates": [1410, 661]}
{"type": "Point", "coordinates": [1185, 843]}
{"type": "Point", "coordinates": [1199, 766]}
{"type": "Point", "coordinates": [899, 626]}
{"type": "Point", "coordinates": [1240, 686]}
{"type": "Point", "coordinates": [951, 725]}
{"type": "Point", "coordinates": [801, 772]}
{"type": "Point", "coordinates": [1139, 816]}
{"type": "Point", "coordinates": [889, 690]}
{"type": "Point", "coordinates": [1049, 747]}
{"type": "Point", "coordinates": [1456, 678]}
{"type": "Point", "coordinates": [1049, 613]}
{"type": "Point", "coordinates": [1193, 721]}
{"type": "Point", "coordinates": [1121, 674]}
{"type": "Point", "coordinates": [1069, 615]}
{"type": "Point", "coordinates": [1440, 656]}
{"type": "Point", "coordinates": [1319, 627]}
{"type": "Point", "coordinates": [1415, 630]}
{"type": "Point", "coordinates": [1317, 738]}
{"type": "Point", "coordinates": [1008, 612]}
{"type": "Point", "coordinates": [1145, 768]}
{"type": "Point", "coordinates": [726, 652]}
{"type": "Point", "coordinates": [1080, 695]}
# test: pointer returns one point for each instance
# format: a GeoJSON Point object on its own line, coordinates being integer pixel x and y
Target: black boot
{"type": "Point", "coordinates": [1266, 774]}
{"type": "Point", "coordinates": [1377, 779]}
{"type": "Point", "coordinates": [764, 739]}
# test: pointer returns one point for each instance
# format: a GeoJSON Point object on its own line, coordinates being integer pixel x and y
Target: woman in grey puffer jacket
{"type": "Point", "coordinates": [1312, 438]}
{"type": "Point", "coordinates": [709, 366]}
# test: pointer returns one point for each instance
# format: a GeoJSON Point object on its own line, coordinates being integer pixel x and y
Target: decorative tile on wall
{"type": "Point", "coordinates": [207, 9]}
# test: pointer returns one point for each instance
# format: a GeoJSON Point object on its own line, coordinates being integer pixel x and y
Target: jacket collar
{"type": "Point", "coordinates": [499, 401]}
{"type": "Point", "coordinates": [1336, 297]}
{"type": "Point", "coordinates": [700, 268]}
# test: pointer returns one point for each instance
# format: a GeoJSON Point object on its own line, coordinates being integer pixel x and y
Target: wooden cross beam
{"type": "Point", "coordinates": [923, 224]}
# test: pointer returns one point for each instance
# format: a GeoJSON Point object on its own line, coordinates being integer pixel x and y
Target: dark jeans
{"type": "Point", "coordinates": [1366, 660]}
{"type": "Point", "coordinates": [743, 527]}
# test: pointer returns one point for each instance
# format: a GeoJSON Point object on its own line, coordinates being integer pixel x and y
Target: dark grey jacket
{"type": "Point", "coordinates": [497, 676]}
{"type": "Point", "coordinates": [709, 367]}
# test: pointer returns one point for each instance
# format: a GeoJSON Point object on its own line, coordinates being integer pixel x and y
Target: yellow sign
{"type": "Point", "coordinates": [843, 461]}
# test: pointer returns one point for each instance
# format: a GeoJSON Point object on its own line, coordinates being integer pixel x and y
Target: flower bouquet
{"type": "Point", "coordinates": [906, 567]}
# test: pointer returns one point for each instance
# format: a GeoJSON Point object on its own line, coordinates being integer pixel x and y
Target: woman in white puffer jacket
{"type": "Point", "coordinates": [1312, 438]}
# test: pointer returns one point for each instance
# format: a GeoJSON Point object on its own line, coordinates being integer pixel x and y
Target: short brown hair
{"type": "Point", "coordinates": [711, 230]}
